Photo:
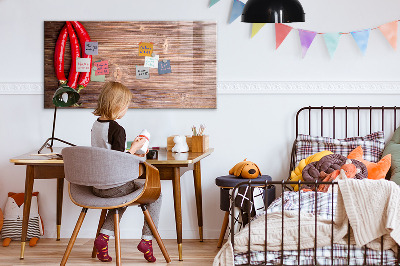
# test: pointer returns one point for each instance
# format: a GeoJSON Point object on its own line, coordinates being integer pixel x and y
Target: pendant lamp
{"type": "Point", "coordinates": [272, 11]}
{"type": "Point", "coordinates": [63, 97]}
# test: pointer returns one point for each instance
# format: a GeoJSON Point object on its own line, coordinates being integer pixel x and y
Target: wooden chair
{"type": "Point", "coordinates": [85, 167]}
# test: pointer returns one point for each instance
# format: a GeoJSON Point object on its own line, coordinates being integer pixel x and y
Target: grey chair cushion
{"type": "Point", "coordinates": [99, 167]}
{"type": "Point", "coordinates": [83, 196]}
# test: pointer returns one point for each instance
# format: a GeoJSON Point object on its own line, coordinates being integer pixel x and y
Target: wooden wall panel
{"type": "Point", "coordinates": [190, 45]}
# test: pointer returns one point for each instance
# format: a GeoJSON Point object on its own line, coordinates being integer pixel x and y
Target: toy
{"type": "Point", "coordinates": [13, 215]}
{"type": "Point", "coordinates": [393, 148]}
{"type": "Point", "coordinates": [180, 144]}
{"type": "Point", "coordinates": [296, 174]}
{"type": "Point", "coordinates": [1, 219]}
{"type": "Point", "coordinates": [245, 169]}
{"type": "Point", "coordinates": [375, 170]}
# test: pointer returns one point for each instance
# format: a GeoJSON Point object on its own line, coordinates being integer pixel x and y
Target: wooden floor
{"type": "Point", "coordinates": [50, 252]}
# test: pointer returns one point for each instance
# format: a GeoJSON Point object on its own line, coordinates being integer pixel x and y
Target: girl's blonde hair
{"type": "Point", "coordinates": [112, 99]}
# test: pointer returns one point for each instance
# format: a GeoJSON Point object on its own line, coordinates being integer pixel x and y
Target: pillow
{"type": "Point", "coordinates": [372, 144]}
{"type": "Point", "coordinates": [393, 148]}
{"type": "Point", "coordinates": [375, 170]}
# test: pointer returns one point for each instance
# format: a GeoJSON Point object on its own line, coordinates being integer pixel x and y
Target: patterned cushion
{"type": "Point", "coordinates": [372, 144]}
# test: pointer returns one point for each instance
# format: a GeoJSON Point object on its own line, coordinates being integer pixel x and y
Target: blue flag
{"type": "Point", "coordinates": [237, 9]}
{"type": "Point", "coordinates": [361, 38]}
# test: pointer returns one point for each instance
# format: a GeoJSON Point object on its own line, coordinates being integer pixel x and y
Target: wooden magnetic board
{"type": "Point", "coordinates": [189, 45]}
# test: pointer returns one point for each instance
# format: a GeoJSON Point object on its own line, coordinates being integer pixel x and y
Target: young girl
{"type": "Point", "coordinates": [112, 104]}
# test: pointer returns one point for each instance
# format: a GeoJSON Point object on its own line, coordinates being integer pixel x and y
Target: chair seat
{"type": "Point", "coordinates": [83, 196]}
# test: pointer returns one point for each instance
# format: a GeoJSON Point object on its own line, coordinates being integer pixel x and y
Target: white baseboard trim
{"type": "Point", "coordinates": [259, 87]}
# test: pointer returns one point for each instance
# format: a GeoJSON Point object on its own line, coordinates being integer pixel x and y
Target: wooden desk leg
{"type": "Point", "coordinates": [199, 204]}
{"type": "Point", "coordinates": [176, 183]}
{"type": "Point", "coordinates": [27, 206]}
{"type": "Point", "coordinates": [60, 190]}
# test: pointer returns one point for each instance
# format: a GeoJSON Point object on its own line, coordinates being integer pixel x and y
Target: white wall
{"type": "Point", "coordinates": [258, 127]}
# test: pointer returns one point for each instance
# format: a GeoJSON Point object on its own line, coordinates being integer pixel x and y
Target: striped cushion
{"type": "Point", "coordinates": [13, 228]}
{"type": "Point", "coordinates": [372, 145]}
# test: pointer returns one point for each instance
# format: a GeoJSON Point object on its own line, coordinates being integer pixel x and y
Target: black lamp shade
{"type": "Point", "coordinates": [65, 96]}
{"type": "Point", "coordinates": [273, 11]}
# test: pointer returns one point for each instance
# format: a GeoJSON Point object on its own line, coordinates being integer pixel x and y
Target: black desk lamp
{"type": "Point", "coordinates": [63, 97]}
{"type": "Point", "coordinates": [272, 11]}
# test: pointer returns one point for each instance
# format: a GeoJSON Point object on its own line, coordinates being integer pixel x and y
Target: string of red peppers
{"type": "Point", "coordinates": [75, 79]}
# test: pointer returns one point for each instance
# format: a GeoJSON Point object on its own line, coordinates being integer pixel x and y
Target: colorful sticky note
{"type": "Point", "coordinates": [164, 67]}
{"type": "Point", "coordinates": [151, 61]}
{"type": "Point", "coordinates": [142, 72]}
{"type": "Point", "coordinates": [145, 48]}
{"type": "Point", "coordinates": [96, 78]}
{"type": "Point", "coordinates": [83, 64]}
{"type": "Point", "coordinates": [102, 67]}
{"type": "Point", "coordinates": [91, 48]}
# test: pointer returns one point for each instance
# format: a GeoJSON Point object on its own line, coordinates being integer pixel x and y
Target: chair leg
{"type": "Point", "coordinates": [223, 229]}
{"type": "Point", "coordinates": [117, 238]}
{"type": "Point", "coordinates": [101, 222]}
{"type": "Point", "coordinates": [73, 237]}
{"type": "Point", "coordinates": [154, 230]}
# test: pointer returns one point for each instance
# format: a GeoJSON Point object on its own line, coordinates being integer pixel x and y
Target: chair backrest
{"type": "Point", "coordinates": [92, 166]}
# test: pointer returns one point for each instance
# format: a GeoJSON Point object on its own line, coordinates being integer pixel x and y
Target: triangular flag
{"type": "Point", "coordinates": [281, 31]}
{"type": "Point", "coordinates": [213, 2]}
{"type": "Point", "coordinates": [361, 37]}
{"type": "Point", "coordinates": [306, 39]}
{"type": "Point", "coordinates": [255, 28]}
{"type": "Point", "coordinates": [332, 41]}
{"type": "Point", "coordinates": [237, 9]}
{"type": "Point", "coordinates": [390, 32]}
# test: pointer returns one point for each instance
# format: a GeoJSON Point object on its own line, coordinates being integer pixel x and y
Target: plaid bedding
{"type": "Point", "coordinates": [322, 207]}
{"type": "Point", "coordinates": [372, 145]}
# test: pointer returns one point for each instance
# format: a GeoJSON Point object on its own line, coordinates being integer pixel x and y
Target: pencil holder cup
{"type": "Point", "coordinates": [200, 143]}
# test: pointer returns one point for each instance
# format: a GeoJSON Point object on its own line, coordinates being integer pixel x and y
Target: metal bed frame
{"type": "Point", "coordinates": [283, 184]}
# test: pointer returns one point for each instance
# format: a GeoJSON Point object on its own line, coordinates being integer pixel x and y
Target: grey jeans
{"type": "Point", "coordinates": [154, 208]}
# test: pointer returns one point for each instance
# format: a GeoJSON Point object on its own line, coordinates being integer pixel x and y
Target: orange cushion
{"type": "Point", "coordinates": [375, 170]}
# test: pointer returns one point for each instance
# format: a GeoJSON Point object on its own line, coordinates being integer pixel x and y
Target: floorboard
{"type": "Point", "coordinates": [50, 252]}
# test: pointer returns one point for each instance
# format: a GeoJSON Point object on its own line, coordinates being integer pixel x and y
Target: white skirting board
{"type": "Point", "coordinates": [258, 87]}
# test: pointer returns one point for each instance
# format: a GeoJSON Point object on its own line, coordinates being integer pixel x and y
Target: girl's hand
{"type": "Point", "coordinates": [143, 155]}
{"type": "Point", "coordinates": [137, 144]}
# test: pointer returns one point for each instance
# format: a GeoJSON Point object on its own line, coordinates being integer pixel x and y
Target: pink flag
{"type": "Point", "coordinates": [306, 39]}
{"type": "Point", "coordinates": [389, 30]}
{"type": "Point", "coordinates": [281, 31]}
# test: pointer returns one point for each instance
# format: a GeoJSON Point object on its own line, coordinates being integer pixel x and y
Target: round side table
{"type": "Point", "coordinates": [228, 182]}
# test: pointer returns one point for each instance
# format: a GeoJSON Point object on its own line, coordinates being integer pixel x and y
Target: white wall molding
{"type": "Point", "coordinates": [260, 87]}
{"type": "Point", "coordinates": [310, 87]}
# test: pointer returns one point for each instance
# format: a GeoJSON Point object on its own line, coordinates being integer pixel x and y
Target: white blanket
{"type": "Point", "coordinates": [371, 206]}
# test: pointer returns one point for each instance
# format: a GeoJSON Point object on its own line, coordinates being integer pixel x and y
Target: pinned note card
{"type": "Point", "coordinates": [151, 61]}
{"type": "Point", "coordinates": [83, 64]}
{"type": "Point", "coordinates": [102, 67]}
{"type": "Point", "coordinates": [96, 78]}
{"type": "Point", "coordinates": [145, 49]}
{"type": "Point", "coordinates": [91, 48]}
{"type": "Point", "coordinates": [142, 72]}
{"type": "Point", "coordinates": [164, 67]}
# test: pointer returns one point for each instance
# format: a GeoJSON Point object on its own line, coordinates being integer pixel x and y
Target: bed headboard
{"type": "Point", "coordinates": [344, 121]}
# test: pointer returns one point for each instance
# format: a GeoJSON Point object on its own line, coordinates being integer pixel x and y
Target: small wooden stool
{"type": "Point", "coordinates": [226, 183]}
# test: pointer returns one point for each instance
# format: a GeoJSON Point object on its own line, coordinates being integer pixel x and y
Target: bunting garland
{"type": "Point", "coordinates": [361, 37]}
{"type": "Point", "coordinates": [237, 9]}
{"type": "Point", "coordinates": [332, 41]}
